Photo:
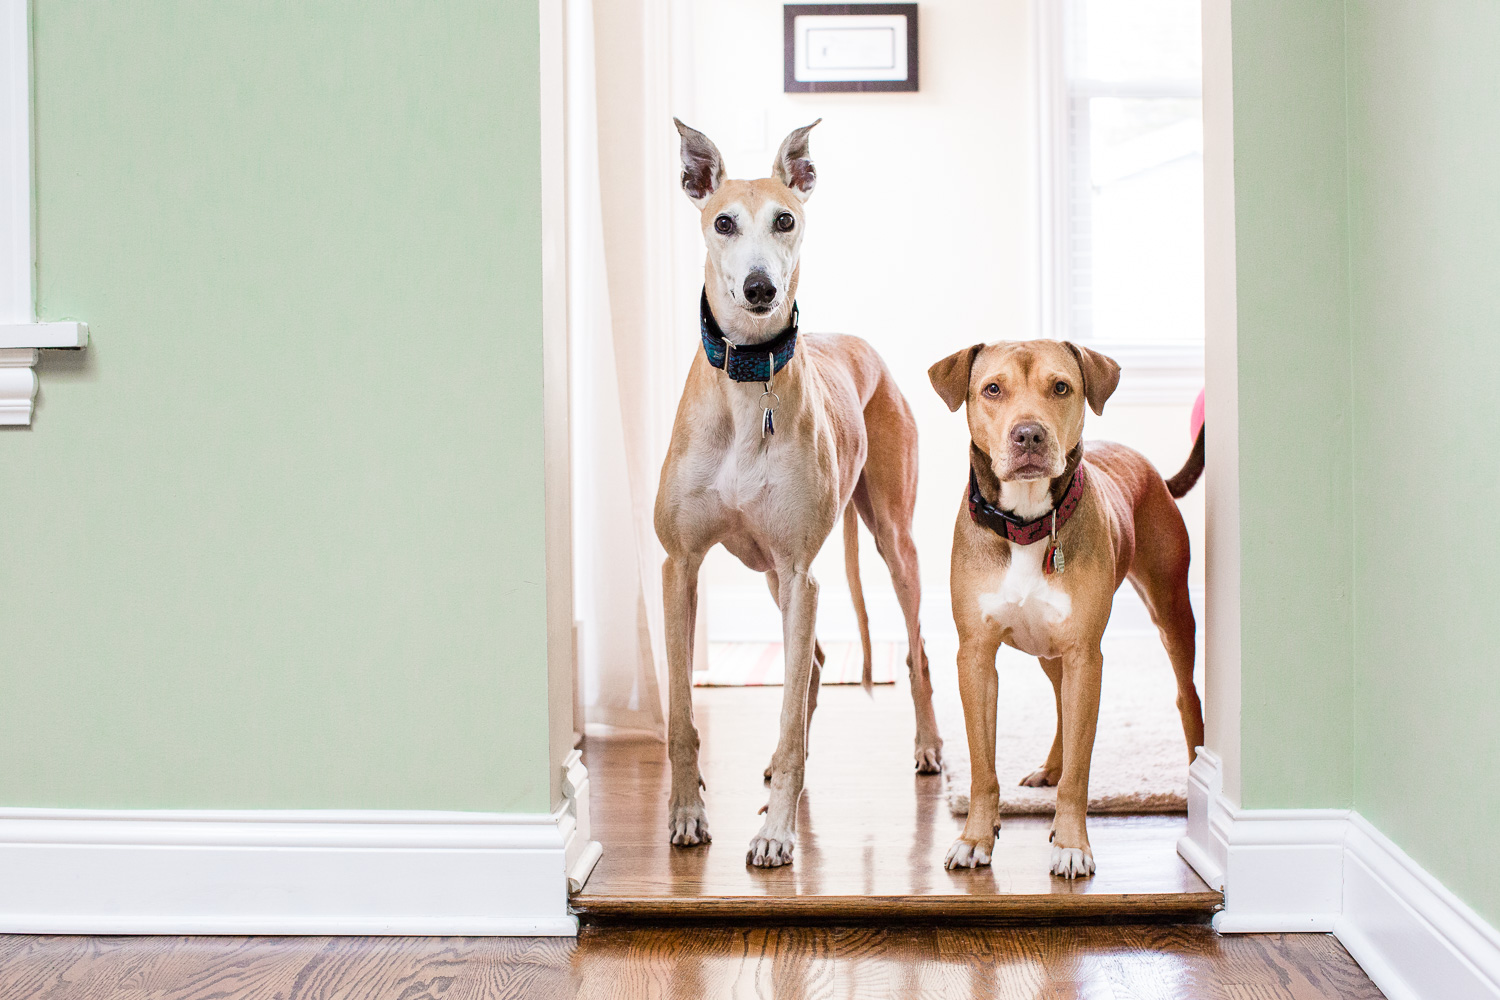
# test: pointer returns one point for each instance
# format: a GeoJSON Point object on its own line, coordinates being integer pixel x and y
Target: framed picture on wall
{"type": "Point", "coordinates": [850, 46]}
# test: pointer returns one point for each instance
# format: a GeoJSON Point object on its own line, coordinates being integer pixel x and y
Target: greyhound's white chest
{"type": "Point", "coordinates": [744, 475]}
{"type": "Point", "coordinates": [1024, 603]}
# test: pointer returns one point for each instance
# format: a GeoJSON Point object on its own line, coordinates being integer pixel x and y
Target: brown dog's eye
{"type": "Point", "coordinates": [784, 222]}
{"type": "Point", "coordinates": [992, 390]}
{"type": "Point", "coordinates": [724, 224]}
{"type": "Point", "coordinates": [1061, 388]}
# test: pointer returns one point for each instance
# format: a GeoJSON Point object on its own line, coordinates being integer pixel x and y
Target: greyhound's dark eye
{"type": "Point", "coordinates": [784, 222]}
{"type": "Point", "coordinates": [724, 224]}
{"type": "Point", "coordinates": [1061, 388]}
{"type": "Point", "coordinates": [992, 390]}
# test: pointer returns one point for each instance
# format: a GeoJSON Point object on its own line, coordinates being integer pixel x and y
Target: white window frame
{"type": "Point", "coordinates": [1158, 372]}
{"type": "Point", "coordinates": [21, 337]}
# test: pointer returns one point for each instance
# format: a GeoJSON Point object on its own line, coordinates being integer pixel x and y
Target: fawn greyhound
{"type": "Point", "coordinates": [1048, 531]}
{"type": "Point", "coordinates": [776, 434]}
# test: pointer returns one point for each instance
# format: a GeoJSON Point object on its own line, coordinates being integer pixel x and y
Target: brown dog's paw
{"type": "Point", "coordinates": [1042, 777]}
{"type": "Point", "coordinates": [1071, 862]}
{"type": "Point", "coordinates": [966, 854]}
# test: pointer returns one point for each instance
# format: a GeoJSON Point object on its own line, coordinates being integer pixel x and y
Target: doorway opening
{"type": "Point", "coordinates": [1045, 181]}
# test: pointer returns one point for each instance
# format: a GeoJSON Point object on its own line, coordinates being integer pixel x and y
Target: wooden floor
{"type": "Point", "coordinates": [872, 833]}
{"type": "Point", "coordinates": [810, 963]}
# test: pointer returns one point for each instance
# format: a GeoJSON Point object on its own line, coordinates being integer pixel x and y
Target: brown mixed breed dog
{"type": "Point", "coordinates": [1049, 531]}
{"type": "Point", "coordinates": [777, 434]}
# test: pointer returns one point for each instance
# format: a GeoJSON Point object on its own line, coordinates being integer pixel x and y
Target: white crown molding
{"type": "Point", "coordinates": [17, 385]}
{"type": "Point", "coordinates": [76, 871]}
{"type": "Point", "coordinates": [1289, 870]}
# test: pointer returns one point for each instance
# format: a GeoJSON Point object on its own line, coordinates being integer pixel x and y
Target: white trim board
{"type": "Point", "coordinates": [75, 871]}
{"type": "Point", "coordinates": [20, 333]}
{"type": "Point", "coordinates": [1289, 870]}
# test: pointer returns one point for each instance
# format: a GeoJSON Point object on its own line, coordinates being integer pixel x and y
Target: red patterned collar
{"type": "Point", "coordinates": [1012, 528]}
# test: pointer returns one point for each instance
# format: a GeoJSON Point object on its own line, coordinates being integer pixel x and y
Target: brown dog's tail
{"type": "Point", "coordinates": [857, 592]}
{"type": "Point", "coordinates": [1187, 476]}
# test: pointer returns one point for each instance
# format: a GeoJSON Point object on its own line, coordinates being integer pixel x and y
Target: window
{"type": "Point", "coordinates": [1122, 175]}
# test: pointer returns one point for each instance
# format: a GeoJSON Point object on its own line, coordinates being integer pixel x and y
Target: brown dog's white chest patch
{"type": "Point", "coordinates": [1024, 603]}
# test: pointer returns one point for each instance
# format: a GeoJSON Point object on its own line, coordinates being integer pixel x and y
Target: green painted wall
{"type": "Point", "coordinates": [275, 538]}
{"type": "Point", "coordinates": [1368, 217]}
{"type": "Point", "coordinates": [1424, 141]}
{"type": "Point", "coordinates": [1297, 673]}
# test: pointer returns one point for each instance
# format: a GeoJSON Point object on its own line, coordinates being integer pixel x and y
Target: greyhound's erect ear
{"type": "Point", "coordinates": [1101, 375]}
{"type": "Point", "coordinates": [950, 376]}
{"type": "Point", "coordinates": [702, 164]}
{"type": "Point", "coordinates": [793, 166]}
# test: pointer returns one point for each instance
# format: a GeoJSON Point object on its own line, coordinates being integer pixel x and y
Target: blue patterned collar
{"type": "Point", "coordinates": [756, 363]}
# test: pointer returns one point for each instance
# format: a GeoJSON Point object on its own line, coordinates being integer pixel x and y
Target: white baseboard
{"type": "Point", "coordinates": [74, 871]}
{"type": "Point", "coordinates": [1290, 870]}
{"type": "Point", "coordinates": [1412, 936]}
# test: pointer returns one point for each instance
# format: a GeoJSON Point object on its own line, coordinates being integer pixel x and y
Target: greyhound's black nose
{"type": "Point", "coordinates": [760, 290]}
{"type": "Point", "coordinates": [1028, 437]}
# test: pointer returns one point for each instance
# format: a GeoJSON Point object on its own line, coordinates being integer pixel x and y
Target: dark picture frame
{"type": "Point", "coordinates": [792, 11]}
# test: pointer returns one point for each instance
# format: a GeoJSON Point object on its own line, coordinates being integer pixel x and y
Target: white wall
{"type": "Point", "coordinates": [921, 238]}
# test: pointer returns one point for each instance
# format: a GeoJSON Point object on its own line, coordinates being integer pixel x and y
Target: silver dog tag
{"type": "Point", "coordinates": [1053, 562]}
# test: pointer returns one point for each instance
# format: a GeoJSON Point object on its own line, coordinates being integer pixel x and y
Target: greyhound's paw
{"type": "Point", "coordinates": [688, 825]}
{"type": "Point", "coordinates": [929, 760]}
{"type": "Point", "coordinates": [770, 849]}
{"type": "Point", "coordinates": [1072, 862]}
{"type": "Point", "coordinates": [1042, 777]}
{"type": "Point", "coordinates": [966, 854]}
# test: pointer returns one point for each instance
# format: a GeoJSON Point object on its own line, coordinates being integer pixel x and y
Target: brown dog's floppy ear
{"type": "Point", "coordinates": [950, 376]}
{"type": "Point", "coordinates": [794, 166]}
{"type": "Point", "coordinates": [1101, 375]}
{"type": "Point", "coordinates": [702, 164]}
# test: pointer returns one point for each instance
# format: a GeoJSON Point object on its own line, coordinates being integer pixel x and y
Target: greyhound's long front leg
{"type": "Point", "coordinates": [1083, 672]}
{"type": "Point", "coordinates": [777, 838]}
{"type": "Point", "coordinates": [687, 822]}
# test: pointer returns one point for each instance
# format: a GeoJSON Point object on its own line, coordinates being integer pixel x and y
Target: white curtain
{"type": "Point", "coordinates": [625, 322]}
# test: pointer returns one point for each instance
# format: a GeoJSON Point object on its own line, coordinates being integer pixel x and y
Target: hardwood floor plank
{"type": "Point", "coordinates": [680, 963]}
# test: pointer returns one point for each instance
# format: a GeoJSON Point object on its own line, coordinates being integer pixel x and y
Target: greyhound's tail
{"type": "Point", "coordinates": [857, 592]}
{"type": "Point", "coordinates": [1188, 475]}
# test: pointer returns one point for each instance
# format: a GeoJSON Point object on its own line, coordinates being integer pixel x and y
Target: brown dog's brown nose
{"type": "Point", "coordinates": [1028, 437]}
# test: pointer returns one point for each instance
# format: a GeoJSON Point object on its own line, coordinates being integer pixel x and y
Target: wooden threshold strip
{"type": "Point", "coordinates": [1176, 907]}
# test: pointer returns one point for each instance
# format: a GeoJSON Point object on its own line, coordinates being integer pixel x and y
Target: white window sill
{"type": "Point", "coordinates": [20, 349]}
{"type": "Point", "coordinates": [36, 335]}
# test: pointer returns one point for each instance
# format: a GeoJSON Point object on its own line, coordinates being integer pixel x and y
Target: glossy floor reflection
{"type": "Point", "coordinates": [869, 826]}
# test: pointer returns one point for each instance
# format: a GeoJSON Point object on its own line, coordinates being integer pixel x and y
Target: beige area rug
{"type": "Point", "coordinates": [1140, 759]}
{"type": "Point", "coordinates": [758, 664]}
